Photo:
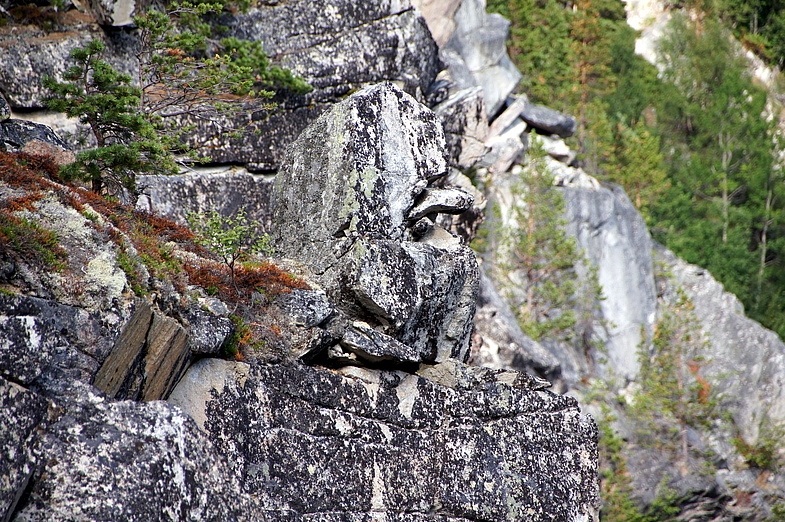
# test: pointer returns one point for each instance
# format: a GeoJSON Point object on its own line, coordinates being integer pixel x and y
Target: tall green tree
{"type": "Point", "coordinates": [724, 158]}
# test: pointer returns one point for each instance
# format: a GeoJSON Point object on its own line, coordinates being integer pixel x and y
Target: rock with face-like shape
{"type": "Point", "coordinates": [348, 192]}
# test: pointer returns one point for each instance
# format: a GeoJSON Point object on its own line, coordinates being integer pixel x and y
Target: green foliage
{"type": "Point", "coordinates": [31, 242]}
{"type": "Point", "coordinates": [105, 100]}
{"type": "Point", "coordinates": [538, 261]}
{"type": "Point", "coordinates": [233, 238]}
{"type": "Point", "coordinates": [764, 453]}
{"type": "Point", "coordinates": [615, 481]}
{"type": "Point", "coordinates": [185, 73]}
{"type": "Point", "coordinates": [673, 395]}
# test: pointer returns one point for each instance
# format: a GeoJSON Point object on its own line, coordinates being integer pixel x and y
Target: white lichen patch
{"type": "Point", "coordinates": [104, 274]}
{"type": "Point", "coordinates": [407, 394]}
{"type": "Point", "coordinates": [377, 498]}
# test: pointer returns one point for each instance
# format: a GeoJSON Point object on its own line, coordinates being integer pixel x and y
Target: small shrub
{"type": "Point", "coordinates": [233, 238]}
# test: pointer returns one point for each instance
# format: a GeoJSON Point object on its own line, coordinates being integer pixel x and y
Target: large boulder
{"type": "Point", "coordinates": [460, 443]}
{"type": "Point", "coordinates": [345, 204]}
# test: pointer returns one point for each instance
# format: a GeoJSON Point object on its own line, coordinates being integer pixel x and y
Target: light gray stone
{"type": "Point", "coordinates": [476, 54]}
{"type": "Point", "coordinates": [746, 362]}
{"type": "Point", "coordinates": [614, 237]}
{"type": "Point", "coordinates": [465, 126]}
{"type": "Point", "coordinates": [441, 201]}
{"type": "Point", "coordinates": [498, 341]}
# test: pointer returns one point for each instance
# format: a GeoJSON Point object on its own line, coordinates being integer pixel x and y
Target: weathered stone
{"type": "Point", "coordinates": [499, 342]}
{"type": "Point", "coordinates": [465, 126]}
{"type": "Point", "coordinates": [116, 13]}
{"type": "Point", "coordinates": [5, 110]}
{"type": "Point", "coordinates": [207, 332]}
{"type": "Point", "coordinates": [101, 460]}
{"type": "Point", "coordinates": [147, 359]}
{"type": "Point", "coordinates": [372, 346]}
{"type": "Point", "coordinates": [554, 147]}
{"type": "Point", "coordinates": [15, 134]}
{"type": "Point", "coordinates": [484, 449]}
{"type": "Point", "coordinates": [439, 15]}
{"type": "Point", "coordinates": [548, 120]}
{"type": "Point", "coordinates": [746, 363]}
{"type": "Point", "coordinates": [29, 53]}
{"type": "Point", "coordinates": [36, 334]}
{"type": "Point", "coordinates": [506, 149]}
{"type": "Point", "coordinates": [347, 46]}
{"type": "Point", "coordinates": [20, 412]}
{"type": "Point", "coordinates": [356, 173]}
{"type": "Point", "coordinates": [508, 117]}
{"type": "Point", "coordinates": [466, 224]}
{"type": "Point", "coordinates": [224, 189]}
{"type": "Point", "coordinates": [441, 201]}
{"type": "Point", "coordinates": [476, 54]}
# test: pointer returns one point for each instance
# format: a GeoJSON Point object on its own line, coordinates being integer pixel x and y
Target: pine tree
{"type": "Point", "coordinates": [539, 257]}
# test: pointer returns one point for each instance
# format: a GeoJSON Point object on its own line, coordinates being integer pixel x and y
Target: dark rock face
{"type": "Point", "coordinates": [313, 443]}
{"type": "Point", "coordinates": [15, 134]}
{"type": "Point", "coordinates": [338, 48]}
{"type": "Point", "coordinates": [36, 334]}
{"type": "Point", "coordinates": [354, 177]}
{"type": "Point", "coordinates": [86, 458]}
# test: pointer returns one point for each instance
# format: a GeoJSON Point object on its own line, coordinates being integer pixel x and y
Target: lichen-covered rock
{"type": "Point", "coordinates": [223, 189]}
{"type": "Point", "coordinates": [15, 134]}
{"type": "Point", "coordinates": [311, 443]}
{"type": "Point", "coordinates": [30, 53]}
{"type": "Point", "coordinates": [465, 126]}
{"type": "Point", "coordinates": [353, 177]}
{"type": "Point", "coordinates": [5, 109]}
{"type": "Point", "coordinates": [20, 412]}
{"type": "Point", "coordinates": [36, 334]}
{"type": "Point", "coordinates": [337, 47]}
{"type": "Point", "coordinates": [94, 459]}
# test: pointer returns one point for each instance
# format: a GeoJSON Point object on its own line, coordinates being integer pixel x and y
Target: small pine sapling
{"type": "Point", "coordinates": [233, 238]}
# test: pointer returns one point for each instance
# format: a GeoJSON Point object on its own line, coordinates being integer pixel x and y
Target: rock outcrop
{"type": "Point", "coordinates": [615, 239]}
{"type": "Point", "coordinates": [359, 175]}
{"type": "Point", "coordinates": [460, 443]}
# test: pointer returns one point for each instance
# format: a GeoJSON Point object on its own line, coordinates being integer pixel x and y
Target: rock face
{"type": "Point", "coordinates": [614, 237]}
{"type": "Point", "coordinates": [346, 47]}
{"type": "Point", "coordinates": [357, 175]}
{"type": "Point", "coordinates": [472, 448]}
{"type": "Point", "coordinates": [747, 364]}
{"type": "Point", "coordinates": [498, 341]}
{"type": "Point", "coordinates": [77, 455]}
{"type": "Point", "coordinates": [476, 54]}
